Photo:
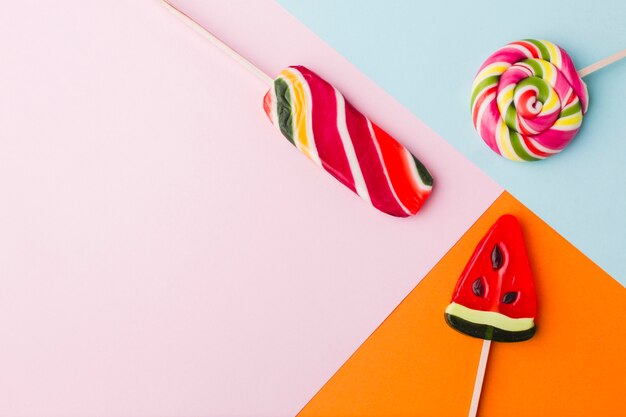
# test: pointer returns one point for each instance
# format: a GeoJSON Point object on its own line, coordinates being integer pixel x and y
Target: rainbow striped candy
{"type": "Point", "coordinates": [528, 101]}
{"type": "Point", "coordinates": [317, 120]}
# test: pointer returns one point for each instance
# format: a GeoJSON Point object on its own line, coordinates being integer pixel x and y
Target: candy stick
{"type": "Point", "coordinates": [480, 376]}
{"type": "Point", "coordinates": [256, 71]}
{"type": "Point", "coordinates": [602, 63]}
{"type": "Point", "coordinates": [494, 299]}
{"type": "Point", "coordinates": [315, 117]}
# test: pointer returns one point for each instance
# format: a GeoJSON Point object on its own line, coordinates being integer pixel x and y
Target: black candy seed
{"type": "Point", "coordinates": [478, 287]}
{"type": "Point", "coordinates": [496, 258]}
{"type": "Point", "coordinates": [509, 297]}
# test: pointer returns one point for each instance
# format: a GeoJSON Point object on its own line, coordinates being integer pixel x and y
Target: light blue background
{"type": "Point", "coordinates": [425, 54]}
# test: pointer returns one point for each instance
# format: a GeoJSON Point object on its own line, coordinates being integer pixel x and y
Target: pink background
{"type": "Point", "coordinates": [163, 250]}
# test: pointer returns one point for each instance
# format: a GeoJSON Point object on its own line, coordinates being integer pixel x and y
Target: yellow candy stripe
{"type": "Point", "coordinates": [301, 137]}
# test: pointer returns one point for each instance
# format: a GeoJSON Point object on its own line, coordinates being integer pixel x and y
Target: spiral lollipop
{"type": "Point", "coordinates": [528, 101]}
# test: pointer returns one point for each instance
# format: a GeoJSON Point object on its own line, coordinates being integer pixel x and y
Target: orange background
{"type": "Point", "coordinates": [415, 365]}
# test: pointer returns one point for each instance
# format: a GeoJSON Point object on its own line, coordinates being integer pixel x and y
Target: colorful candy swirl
{"type": "Point", "coordinates": [528, 101]}
{"type": "Point", "coordinates": [316, 118]}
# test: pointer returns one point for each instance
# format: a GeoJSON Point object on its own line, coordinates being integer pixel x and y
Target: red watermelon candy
{"type": "Point", "coordinates": [495, 296]}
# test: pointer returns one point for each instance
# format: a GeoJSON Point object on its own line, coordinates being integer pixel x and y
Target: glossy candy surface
{"type": "Point", "coordinates": [495, 296]}
{"type": "Point", "coordinates": [528, 101]}
{"type": "Point", "coordinates": [325, 127]}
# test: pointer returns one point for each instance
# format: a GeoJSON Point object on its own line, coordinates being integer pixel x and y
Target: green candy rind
{"type": "Point", "coordinates": [283, 109]}
{"type": "Point", "coordinates": [485, 331]}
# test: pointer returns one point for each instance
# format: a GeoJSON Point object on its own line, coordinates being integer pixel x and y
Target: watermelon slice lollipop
{"type": "Point", "coordinates": [495, 297]}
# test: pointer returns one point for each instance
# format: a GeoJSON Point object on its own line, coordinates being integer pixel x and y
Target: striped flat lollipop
{"type": "Point", "coordinates": [316, 118]}
{"type": "Point", "coordinates": [528, 100]}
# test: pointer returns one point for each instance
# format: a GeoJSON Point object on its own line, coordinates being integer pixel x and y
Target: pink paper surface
{"type": "Point", "coordinates": [163, 250]}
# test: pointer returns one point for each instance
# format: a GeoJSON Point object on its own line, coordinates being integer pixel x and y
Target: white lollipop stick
{"type": "Point", "coordinates": [602, 63]}
{"type": "Point", "coordinates": [480, 376]}
{"type": "Point", "coordinates": [253, 69]}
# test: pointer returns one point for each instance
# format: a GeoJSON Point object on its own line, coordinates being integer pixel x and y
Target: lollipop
{"type": "Point", "coordinates": [316, 118]}
{"type": "Point", "coordinates": [495, 298]}
{"type": "Point", "coordinates": [528, 101]}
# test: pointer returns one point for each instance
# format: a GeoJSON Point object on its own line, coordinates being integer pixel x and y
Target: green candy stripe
{"type": "Point", "coordinates": [535, 66]}
{"type": "Point", "coordinates": [541, 85]}
{"type": "Point", "coordinates": [519, 149]}
{"type": "Point", "coordinates": [572, 109]}
{"type": "Point", "coordinates": [545, 54]}
{"type": "Point", "coordinates": [423, 172]}
{"type": "Point", "coordinates": [510, 118]}
{"type": "Point", "coordinates": [284, 109]}
{"type": "Point", "coordinates": [484, 84]}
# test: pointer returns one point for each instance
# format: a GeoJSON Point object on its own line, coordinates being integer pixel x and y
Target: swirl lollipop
{"type": "Point", "coordinates": [528, 101]}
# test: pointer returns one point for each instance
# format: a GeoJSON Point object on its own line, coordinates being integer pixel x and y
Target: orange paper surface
{"type": "Point", "coordinates": [415, 365]}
